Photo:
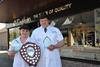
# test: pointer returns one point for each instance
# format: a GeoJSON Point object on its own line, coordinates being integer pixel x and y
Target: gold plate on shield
{"type": "Point", "coordinates": [31, 53]}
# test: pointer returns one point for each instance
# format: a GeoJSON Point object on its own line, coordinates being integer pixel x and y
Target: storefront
{"type": "Point", "coordinates": [80, 29]}
{"type": "Point", "coordinates": [77, 22]}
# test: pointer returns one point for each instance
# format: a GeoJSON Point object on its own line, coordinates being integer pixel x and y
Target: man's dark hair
{"type": "Point", "coordinates": [43, 15]}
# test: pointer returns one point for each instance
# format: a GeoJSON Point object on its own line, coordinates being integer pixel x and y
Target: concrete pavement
{"type": "Point", "coordinates": [6, 62]}
{"type": "Point", "coordinates": [4, 59]}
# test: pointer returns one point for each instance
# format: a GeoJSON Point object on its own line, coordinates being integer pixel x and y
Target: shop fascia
{"type": "Point", "coordinates": [48, 12]}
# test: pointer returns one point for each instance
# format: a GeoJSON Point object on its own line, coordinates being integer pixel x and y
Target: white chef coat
{"type": "Point", "coordinates": [48, 58]}
{"type": "Point", "coordinates": [18, 60]}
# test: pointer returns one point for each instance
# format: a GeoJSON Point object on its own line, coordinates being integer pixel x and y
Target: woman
{"type": "Point", "coordinates": [16, 45]}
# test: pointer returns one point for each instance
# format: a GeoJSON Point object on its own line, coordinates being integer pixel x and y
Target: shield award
{"type": "Point", "coordinates": [31, 53]}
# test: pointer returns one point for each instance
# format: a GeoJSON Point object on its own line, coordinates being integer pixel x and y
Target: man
{"type": "Point", "coordinates": [50, 40]}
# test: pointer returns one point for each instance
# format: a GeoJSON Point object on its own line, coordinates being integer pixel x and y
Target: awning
{"type": "Point", "coordinates": [12, 9]}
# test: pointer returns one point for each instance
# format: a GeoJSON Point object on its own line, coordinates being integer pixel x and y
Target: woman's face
{"type": "Point", "coordinates": [44, 22]}
{"type": "Point", "coordinates": [24, 32]}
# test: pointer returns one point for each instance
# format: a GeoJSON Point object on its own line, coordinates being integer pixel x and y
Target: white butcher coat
{"type": "Point", "coordinates": [18, 60]}
{"type": "Point", "coordinates": [48, 58]}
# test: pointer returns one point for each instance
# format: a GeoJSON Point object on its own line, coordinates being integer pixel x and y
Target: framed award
{"type": "Point", "coordinates": [47, 42]}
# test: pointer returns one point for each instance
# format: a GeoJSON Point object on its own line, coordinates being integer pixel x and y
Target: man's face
{"type": "Point", "coordinates": [44, 22]}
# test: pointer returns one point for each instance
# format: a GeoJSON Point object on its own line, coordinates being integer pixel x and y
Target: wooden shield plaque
{"type": "Point", "coordinates": [31, 53]}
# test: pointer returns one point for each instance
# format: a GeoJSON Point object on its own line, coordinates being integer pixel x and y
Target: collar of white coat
{"type": "Point", "coordinates": [28, 39]}
{"type": "Point", "coordinates": [46, 27]}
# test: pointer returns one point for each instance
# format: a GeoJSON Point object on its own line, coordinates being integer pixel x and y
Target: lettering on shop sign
{"type": "Point", "coordinates": [22, 21]}
{"type": "Point", "coordinates": [55, 10]}
{"type": "Point", "coordinates": [48, 12]}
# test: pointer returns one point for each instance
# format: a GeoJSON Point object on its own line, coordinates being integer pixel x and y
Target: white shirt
{"type": "Point", "coordinates": [18, 60]}
{"type": "Point", "coordinates": [48, 58]}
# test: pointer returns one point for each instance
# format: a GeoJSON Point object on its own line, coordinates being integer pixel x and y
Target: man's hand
{"type": "Point", "coordinates": [57, 46]}
{"type": "Point", "coordinates": [51, 47]}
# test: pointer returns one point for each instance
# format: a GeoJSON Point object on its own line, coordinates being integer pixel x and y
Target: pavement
{"type": "Point", "coordinates": [5, 61]}
{"type": "Point", "coordinates": [67, 63]}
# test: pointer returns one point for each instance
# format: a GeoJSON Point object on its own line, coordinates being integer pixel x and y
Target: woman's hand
{"type": "Point", "coordinates": [11, 54]}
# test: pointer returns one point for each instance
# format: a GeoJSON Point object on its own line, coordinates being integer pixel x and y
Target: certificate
{"type": "Point", "coordinates": [47, 42]}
